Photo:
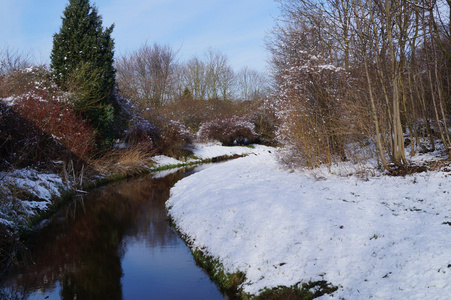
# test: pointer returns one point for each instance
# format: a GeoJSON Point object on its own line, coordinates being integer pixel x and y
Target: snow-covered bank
{"type": "Point", "coordinates": [204, 151]}
{"type": "Point", "coordinates": [39, 187]}
{"type": "Point", "coordinates": [382, 238]}
{"type": "Point", "coordinates": [27, 192]}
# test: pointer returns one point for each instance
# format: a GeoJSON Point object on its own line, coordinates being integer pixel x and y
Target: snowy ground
{"type": "Point", "coordinates": [204, 151]}
{"type": "Point", "coordinates": [40, 188]}
{"type": "Point", "coordinates": [376, 238]}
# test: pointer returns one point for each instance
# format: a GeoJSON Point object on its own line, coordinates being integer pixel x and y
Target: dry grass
{"type": "Point", "coordinates": [124, 162]}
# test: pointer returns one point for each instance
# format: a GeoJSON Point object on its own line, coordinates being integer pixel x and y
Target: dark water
{"type": "Point", "coordinates": [115, 243]}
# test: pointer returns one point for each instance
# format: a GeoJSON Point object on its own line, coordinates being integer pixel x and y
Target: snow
{"type": "Point", "coordinates": [372, 236]}
{"type": "Point", "coordinates": [42, 187]}
{"type": "Point", "coordinates": [10, 101]}
{"type": "Point", "coordinates": [204, 151]}
{"type": "Point", "coordinates": [210, 150]}
{"type": "Point", "coordinates": [162, 160]}
{"type": "Point", "coordinates": [379, 237]}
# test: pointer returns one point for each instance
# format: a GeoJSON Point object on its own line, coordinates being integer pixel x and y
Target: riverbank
{"type": "Point", "coordinates": [29, 196]}
{"type": "Point", "coordinates": [115, 242]}
{"type": "Point", "coordinates": [370, 235]}
{"type": "Point", "coordinates": [28, 192]}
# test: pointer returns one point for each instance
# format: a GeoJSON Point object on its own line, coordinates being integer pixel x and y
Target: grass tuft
{"type": "Point", "coordinates": [124, 162]}
{"type": "Point", "coordinates": [229, 283]}
{"type": "Point", "coordinates": [300, 291]}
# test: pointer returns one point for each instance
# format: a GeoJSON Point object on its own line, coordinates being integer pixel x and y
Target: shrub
{"type": "Point", "coordinates": [85, 86]}
{"type": "Point", "coordinates": [175, 139]}
{"type": "Point", "coordinates": [143, 134]}
{"type": "Point", "coordinates": [23, 144]}
{"type": "Point", "coordinates": [36, 127]}
{"type": "Point", "coordinates": [10, 62]}
{"type": "Point", "coordinates": [58, 120]}
{"type": "Point", "coordinates": [192, 113]}
{"type": "Point", "coordinates": [265, 127]}
{"type": "Point", "coordinates": [228, 131]}
{"type": "Point", "coordinates": [189, 112]}
{"type": "Point", "coordinates": [170, 138]}
{"type": "Point", "coordinates": [16, 82]}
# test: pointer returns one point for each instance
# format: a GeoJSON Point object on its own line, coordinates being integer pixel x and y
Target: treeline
{"type": "Point", "coordinates": [153, 76]}
{"type": "Point", "coordinates": [353, 75]}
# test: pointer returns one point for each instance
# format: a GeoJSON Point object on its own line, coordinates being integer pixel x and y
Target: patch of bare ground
{"type": "Point", "coordinates": [443, 165]}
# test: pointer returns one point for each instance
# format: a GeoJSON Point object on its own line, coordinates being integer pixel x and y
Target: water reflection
{"type": "Point", "coordinates": [115, 243]}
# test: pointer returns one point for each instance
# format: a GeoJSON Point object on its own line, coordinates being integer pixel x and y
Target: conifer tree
{"type": "Point", "coordinates": [82, 59]}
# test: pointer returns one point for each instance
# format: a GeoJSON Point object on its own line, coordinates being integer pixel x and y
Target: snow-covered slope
{"type": "Point", "coordinates": [382, 238]}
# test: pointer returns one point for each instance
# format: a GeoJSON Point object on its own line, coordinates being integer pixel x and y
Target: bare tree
{"type": "Point", "coordinates": [11, 59]}
{"type": "Point", "coordinates": [251, 84]}
{"type": "Point", "coordinates": [147, 75]}
{"type": "Point", "coordinates": [195, 78]}
{"type": "Point", "coordinates": [401, 47]}
{"type": "Point", "coordinates": [227, 83]}
{"type": "Point", "coordinates": [211, 77]}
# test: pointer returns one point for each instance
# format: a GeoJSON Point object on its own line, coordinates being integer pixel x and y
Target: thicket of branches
{"type": "Point", "coordinates": [152, 76]}
{"type": "Point", "coordinates": [351, 73]}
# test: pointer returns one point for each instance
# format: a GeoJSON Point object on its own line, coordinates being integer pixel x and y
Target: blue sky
{"type": "Point", "coordinates": [235, 27]}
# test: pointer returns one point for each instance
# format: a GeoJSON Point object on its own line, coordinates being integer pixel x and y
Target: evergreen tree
{"type": "Point", "coordinates": [187, 94]}
{"type": "Point", "coordinates": [82, 59]}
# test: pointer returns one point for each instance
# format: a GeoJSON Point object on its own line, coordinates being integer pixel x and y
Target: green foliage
{"type": "Point", "coordinates": [187, 94]}
{"type": "Point", "coordinates": [82, 39]}
{"type": "Point", "coordinates": [85, 82]}
{"type": "Point", "coordinates": [82, 60]}
{"type": "Point", "coordinates": [304, 291]}
{"type": "Point", "coordinates": [230, 283]}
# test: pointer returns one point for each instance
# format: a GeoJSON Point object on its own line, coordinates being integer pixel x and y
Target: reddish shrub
{"type": "Point", "coordinates": [21, 81]}
{"type": "Point", "coordinates": [23, 144]}
{"type": "Point", "coordinates": [58, 120]}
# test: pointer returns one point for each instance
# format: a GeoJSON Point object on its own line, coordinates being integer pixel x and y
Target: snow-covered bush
{"type": "Point", "coordinates": [318, 109]}
{"type": "Point", "coordinates": [24, 144]}
{"type": "Point", "coordinates": [163, 137]}
{"type": "Point", "coordinates": [144, 134]}
{"type": "Point", "coordinates": [175, 138]}
{"type": "Point", "coordinates": [33, 94]}
{"type": "Point", "coordinates": [58, 120]}
{"type": "Point", "coordinates": [17, 82]}
{"type": "Point", "coordinates": [228, 131]}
